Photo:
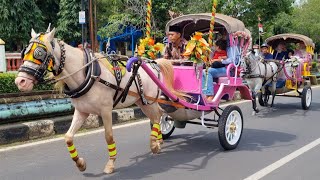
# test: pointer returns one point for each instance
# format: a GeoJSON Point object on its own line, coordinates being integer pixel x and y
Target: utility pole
{"type": "Point", "coordinates": [82, 25]}
{"type": "Point", "coordinates": [92, 39]}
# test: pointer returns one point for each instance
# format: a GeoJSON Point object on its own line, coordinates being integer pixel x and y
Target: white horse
{"type": "Point", "coordinates": [257, 74]}
{"type": "Point", "coordinates": [67, 63]}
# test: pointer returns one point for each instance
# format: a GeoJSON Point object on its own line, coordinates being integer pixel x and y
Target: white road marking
{"type": "Point", "coordinates": [267, 170]}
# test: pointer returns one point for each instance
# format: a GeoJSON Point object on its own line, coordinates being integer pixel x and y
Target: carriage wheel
{"type": "Point", "coordinates": [306, 97]}
{"type": "Point", "coordinates": [230, 127]}
{"type": "Point", "coordinates": [166, 126]}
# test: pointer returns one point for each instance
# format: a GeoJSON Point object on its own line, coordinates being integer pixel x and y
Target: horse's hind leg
{"type": "Point", "coordinates": [77, 121]}
{"type": "Point", "coordinates": [154, 113]}
{"type": "Point", "coordinates": [107, 123]}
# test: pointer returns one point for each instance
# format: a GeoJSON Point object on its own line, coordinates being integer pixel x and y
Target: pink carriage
{"type": "Point", "coordinates": [296, 70]}
{"type": "Point", "coordinates": [188, 78]}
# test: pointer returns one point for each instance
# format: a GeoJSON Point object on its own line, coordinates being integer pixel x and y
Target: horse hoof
{"type": "Point", "coordinates": [81, 164]}
{"type": "Point", "coordinates": [155, 147]}
{"type": "Point", "coordinates": [109, 168]}
{"type": "Point", "coordinates": [160, 141]}
{"type": "Point", "coordinates": [253, 113]}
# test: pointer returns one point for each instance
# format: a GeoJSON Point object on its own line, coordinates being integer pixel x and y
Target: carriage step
{"type": "Point", "coordinates": [209, 125]}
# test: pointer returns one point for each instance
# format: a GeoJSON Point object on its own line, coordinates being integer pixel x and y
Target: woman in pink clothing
{"type": "Point", "coordinates": [300, 50]}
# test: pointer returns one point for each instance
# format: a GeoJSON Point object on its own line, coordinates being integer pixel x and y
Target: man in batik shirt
{"type": "Point", "coordinates": [177, 44]}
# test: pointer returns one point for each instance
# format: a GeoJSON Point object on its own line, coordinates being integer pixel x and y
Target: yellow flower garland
{"type": "Point", "coordinates": [148, 49]}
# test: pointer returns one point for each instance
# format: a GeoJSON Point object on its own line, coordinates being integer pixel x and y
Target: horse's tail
{"type": "Point", "coordinates": [166, 69]}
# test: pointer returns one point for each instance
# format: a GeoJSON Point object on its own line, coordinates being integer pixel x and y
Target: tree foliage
{"type": "Point", "coordinates": [16, 20]}
{"type": "Point", "coordinates": [68, 27]}
{"type": "Point", "coordinates": [305, 19]}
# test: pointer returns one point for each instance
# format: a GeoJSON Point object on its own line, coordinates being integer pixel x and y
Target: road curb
{"type": "Point", "coordinates": [25, 131]}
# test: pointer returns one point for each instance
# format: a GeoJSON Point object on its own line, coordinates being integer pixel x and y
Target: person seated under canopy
{"type": "Point", "coordinates": [176, 45]}
{"type": "Point", "coordinates": [281, 52]}
{"type": "Point", "coordinates": [218, 68]}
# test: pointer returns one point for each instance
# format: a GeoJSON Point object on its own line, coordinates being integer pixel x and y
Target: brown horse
{"type": "Point", "coordinates": [46, 53]}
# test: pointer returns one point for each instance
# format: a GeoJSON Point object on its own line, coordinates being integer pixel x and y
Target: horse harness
{"type": "Point", "coordinates": [41, 57]}
{"type": "Point", "coordinates": [93, 73]}
{"type": "Point", "coordinates": [46, 61]}
{"type": "Point", "coordinates": [249, 76]}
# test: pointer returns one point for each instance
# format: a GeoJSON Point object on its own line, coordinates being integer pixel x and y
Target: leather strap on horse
{"type": "Point", "coordinates": [134, 94]}
{"type": "Point", "coordinates": [124, 93]}
{"type": "Point", "coordinates": [91, 72]}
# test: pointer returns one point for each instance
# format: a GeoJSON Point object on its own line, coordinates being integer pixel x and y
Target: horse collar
{"type": "Point", "coordinates": [62, 58]}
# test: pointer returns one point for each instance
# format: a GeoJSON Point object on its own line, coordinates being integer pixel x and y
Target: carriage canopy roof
{"type": "Point", "coordinates": [289, 38]}
{"type": "Point", "coordinates": [201, 22]}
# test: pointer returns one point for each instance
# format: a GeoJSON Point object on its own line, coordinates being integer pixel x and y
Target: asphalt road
{"type": "Point", "coordinates": [271, 145]}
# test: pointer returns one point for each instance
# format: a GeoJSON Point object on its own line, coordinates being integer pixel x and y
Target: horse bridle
{"type": "Point", "coordinates": [42, 57]}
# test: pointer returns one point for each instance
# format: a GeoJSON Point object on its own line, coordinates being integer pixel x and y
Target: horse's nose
{"type": "Point", "coordinates": [20, 82]}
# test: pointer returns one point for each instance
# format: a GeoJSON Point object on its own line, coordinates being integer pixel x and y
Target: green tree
{"type": "Point", "coordinates": [305, 19]}
{"type": "Point", "coordinates": [68, 27]}
{"type": "Point", "coordinates": [16, 20]}
{"type": "Point", "coordinates": [49, 9]}
{"type": "Point", "coordinates": [120, 13]}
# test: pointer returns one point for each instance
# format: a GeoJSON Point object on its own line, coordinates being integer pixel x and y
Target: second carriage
{"type": "Point", "coordinates": [295, 70]}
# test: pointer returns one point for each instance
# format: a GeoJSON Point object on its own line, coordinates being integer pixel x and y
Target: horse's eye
{"type": "Point", "coordinates": [40, 53]}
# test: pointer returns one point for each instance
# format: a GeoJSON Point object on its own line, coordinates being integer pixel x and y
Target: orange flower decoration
{"type": "Point", "coordinates": [197, 49]}
{"type": "Point", "coordinates": [148, 49]}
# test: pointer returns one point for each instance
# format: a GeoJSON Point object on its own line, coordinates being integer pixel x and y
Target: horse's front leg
{"type": "Point", "coordinates": [154, 113]}
{"type": "Point", "coordinates": [274, 86]}
{"type": "Point", "coordinates": [254, 102]}
{"type": "Point", "coordinates": [77, 121]}
{"type": "Point", "coordinates": [107, 123]}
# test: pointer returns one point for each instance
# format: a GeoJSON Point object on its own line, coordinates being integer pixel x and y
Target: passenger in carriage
{"type": "Point", "coordinates": [265, 52]}
{"type": "Point", "coordinates": [280, 52]}
{"type": "Point", "coordinates": [177, 44]}
{"type": "Point", "coordinates": [219, 54]}
{"type": "Point", "coordinates": [300, 50]}
{"type": "Point", "coordinates": [291, 53]}
{"type": "Point", "coordinates": [218, 70]}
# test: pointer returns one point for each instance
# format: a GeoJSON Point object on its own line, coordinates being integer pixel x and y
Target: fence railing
{"type": "Point", "coordinates": [13, 61]}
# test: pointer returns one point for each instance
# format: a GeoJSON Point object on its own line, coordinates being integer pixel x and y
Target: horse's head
{"type": "Point", "coordinates": [247, 63]}
{"type": "Point", "coordinates": [38, 59]}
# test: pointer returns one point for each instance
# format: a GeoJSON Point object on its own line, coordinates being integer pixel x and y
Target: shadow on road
{"type": "Point", "coordinates": [192, 152]}
{"type": "Point", "coordinates": [285, 109]}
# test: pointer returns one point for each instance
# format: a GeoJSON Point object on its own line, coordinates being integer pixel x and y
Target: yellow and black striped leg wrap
{"type": "Point", "coordinates": [159, 135]}
{"type": "Point", "coordinates": [155, 130]}
{"type": "Point", "coordinates": [73, 151]}
{"type": "Point", "coordinates": [112, 150]}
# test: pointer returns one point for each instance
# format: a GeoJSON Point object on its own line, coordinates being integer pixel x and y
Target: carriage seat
{"type": "Point", "coordinates": [231, 73]}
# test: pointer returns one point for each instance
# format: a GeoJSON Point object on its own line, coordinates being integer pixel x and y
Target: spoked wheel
{"type": "Point", "coordinates": [230, 127]}
{"type": "Point", "coordinates": [166, 126]}
{"type": "Point", "coordinates": [306, 97]}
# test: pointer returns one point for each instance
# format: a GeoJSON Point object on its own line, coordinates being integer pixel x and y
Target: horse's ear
{"type": "Point", "coordinates": [51, 34]}
{"type": "Point", "coordinates": [33, 33]}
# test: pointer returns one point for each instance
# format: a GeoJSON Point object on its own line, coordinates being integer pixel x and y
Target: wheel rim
{"type": "Point", "coordinates": [233, 127]}
{"type": "Point", "coordinates": [308, 97]}
{"type": "Point", "coordinates": [166, 125]}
